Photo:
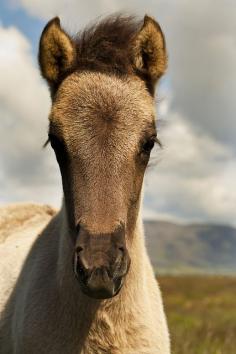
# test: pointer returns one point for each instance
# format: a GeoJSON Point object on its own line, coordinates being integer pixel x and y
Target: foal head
{"type": "Point", "coordinates": [102, 129]}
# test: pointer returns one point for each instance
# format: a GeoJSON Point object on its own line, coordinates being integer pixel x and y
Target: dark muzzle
{"type": "Point", "coordinates": [101, 262]}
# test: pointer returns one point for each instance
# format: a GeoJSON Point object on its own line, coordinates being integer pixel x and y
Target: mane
{"type": "Point", "coordinates": [106, 45]}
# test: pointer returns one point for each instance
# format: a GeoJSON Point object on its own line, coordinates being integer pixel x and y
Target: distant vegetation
{"type": "Point", "coordinates": [201, 312]}
{"type": "Point", "coordinates": [191, 249]}
{"type": "Point", "coordinates": [201, 308]}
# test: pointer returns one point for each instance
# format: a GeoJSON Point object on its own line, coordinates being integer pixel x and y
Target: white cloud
{"type": "Point", "coordinates": [24, 106]}
{"type": "Point", "coordinates": [202, 51]}
{"type": "Point", "coordinates": [73, 13]}
{"type": "Point", "coordinates": [194, 179]}
{"type": "Point", "coordinates": [196, 173]}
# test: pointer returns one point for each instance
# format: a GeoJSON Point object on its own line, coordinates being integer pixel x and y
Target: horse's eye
{"type": "Point", "coordinates": [55, 142]}
{"type": "Point", "coordinates": [148, 145]}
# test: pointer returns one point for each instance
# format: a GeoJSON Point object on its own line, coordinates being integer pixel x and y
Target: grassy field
{"type": "Point", "coordinates": [201, 313]}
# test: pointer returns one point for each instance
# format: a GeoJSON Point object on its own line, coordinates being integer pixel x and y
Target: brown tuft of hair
{"type": "Point", "coordinates": [106, 45]}
{"type": "Point", "coordinates": [119, 45]}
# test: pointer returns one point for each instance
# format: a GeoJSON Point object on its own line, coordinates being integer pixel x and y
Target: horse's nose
{"type": "Point", "coordinates": [97, 283]}
{"type": "Point", "coordinates": [101, 263]}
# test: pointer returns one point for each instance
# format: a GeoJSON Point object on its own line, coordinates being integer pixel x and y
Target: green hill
{"type": "Point", "coordinates": [176, 248]}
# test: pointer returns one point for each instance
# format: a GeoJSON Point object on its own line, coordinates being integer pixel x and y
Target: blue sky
{"type": "Point", "coordinates": [194, 177]}
{"type": "Point", "coordinates": [13, 15]}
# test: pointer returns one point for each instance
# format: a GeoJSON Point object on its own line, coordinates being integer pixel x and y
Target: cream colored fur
{"type": "Point", "coordinates": [20, 224]}
{"type": "Point", "coordinates": [47, 313]}
{"type": "Point", "coordinates": [103, 121]}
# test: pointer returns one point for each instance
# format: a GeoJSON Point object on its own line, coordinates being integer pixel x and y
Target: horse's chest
{"type": "Point", "coordinates": [106, 337]}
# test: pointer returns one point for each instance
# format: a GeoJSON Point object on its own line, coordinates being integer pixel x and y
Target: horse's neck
{"type": "Point", "coordinates": [135, 283]}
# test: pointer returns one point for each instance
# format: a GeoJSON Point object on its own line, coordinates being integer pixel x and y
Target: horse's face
{"type": "Point", "coordinates": [102, 129]}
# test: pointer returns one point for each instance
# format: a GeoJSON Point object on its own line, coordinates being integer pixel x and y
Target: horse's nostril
{"type": "Point", "coordinates": [81, 271]}
{"type": "Point", "coordinates": [77, 228]}
{"type": "Point", "coordinates": [79, 249]}
{"type": "Point", "coordinates": [121, 248]}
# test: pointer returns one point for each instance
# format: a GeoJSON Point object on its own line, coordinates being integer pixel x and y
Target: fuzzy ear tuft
{"type": "Point", "coordinates": [149, 51]}
{"type": "Point", "coordinates": [56, 52]}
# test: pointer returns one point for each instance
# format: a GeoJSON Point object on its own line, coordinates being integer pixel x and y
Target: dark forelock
{"type": "Point", "coordinates": [106, 45]}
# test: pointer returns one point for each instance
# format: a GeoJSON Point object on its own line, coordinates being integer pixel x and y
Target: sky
{"type": "Point", "coordinates": [192, 179]}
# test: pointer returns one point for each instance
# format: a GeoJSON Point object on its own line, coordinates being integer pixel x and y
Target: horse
{"type": "Point", "coordinates": [84, 282]}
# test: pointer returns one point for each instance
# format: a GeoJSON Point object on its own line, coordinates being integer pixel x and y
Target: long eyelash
{"type": "Point", "coordinates": [46, 143]}
{"type": "Point", "coordinates": [153, 162]}
{"type": "Point", "coordinates": [158, 142]}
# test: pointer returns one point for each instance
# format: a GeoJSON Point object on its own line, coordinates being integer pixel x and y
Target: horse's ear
{"type": "Point", "coordinates": [149, 51]}
{"type": "Point", "coordinates": [56, 52]}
